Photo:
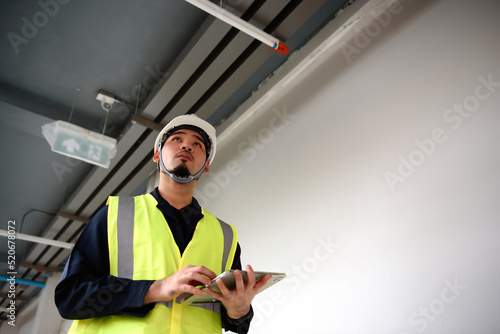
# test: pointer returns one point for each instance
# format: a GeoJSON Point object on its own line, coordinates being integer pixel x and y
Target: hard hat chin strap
{"type": "Point", "coordinates": [180, 179]}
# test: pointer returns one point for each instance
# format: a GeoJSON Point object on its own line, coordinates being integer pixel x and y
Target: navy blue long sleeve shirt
{"type": "Point", "coordinates": [87, 290]}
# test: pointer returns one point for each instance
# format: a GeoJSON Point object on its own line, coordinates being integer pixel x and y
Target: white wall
{"type": "Point", "coordinates": [378, 234]}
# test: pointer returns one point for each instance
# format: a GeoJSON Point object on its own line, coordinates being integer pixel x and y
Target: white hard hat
{"type": "Point", "coordinates": [191, 122]}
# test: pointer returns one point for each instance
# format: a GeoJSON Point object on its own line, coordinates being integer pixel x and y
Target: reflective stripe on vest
{"type": "Point", "coordinates": [125, 232]}
{"type": "Point", "coordinates": [142, 247]}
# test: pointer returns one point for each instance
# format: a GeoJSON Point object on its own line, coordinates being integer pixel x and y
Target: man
{"type": "Point", "coordinates": [138, 257]}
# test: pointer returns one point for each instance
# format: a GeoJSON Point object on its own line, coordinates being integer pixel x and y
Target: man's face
{"type": "Point", "coordinates": [184, 152]}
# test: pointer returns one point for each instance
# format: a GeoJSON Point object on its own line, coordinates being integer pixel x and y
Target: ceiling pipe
{"type": "Point", "coordinates": [73, 217]}
{"type": "Point", "coordinates": [38, 268]}
{"type": "Point", "coordinates": [240, 24]}
{"type": "Point", "coordinates": [32, 238]}
{"type": "Point", "coordinates": [22, 281]}
{"type": "Point", "coordinates": [147, 123]}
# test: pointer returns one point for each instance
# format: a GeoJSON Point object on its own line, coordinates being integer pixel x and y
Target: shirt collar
{"type": "Point", "coordinates": [192, 211]}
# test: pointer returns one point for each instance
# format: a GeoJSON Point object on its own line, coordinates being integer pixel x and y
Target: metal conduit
{"type": "Point", "coordinates": [21, 281]}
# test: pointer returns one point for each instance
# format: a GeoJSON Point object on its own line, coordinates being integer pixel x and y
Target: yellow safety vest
{"type": "Point", "coordinates": [142, 247]}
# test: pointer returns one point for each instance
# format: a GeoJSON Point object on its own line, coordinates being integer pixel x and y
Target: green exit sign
{"type": "Point", "coordinates": [82, 144]}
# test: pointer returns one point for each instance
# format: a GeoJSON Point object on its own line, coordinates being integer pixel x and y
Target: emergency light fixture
{"type": "Point", "coordinates": [240, 24]}
{"type": "Point", "coordinates": [79, 143]}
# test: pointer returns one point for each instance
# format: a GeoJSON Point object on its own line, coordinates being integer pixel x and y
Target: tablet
{"type": "Point", "coordinates": [228, 279]}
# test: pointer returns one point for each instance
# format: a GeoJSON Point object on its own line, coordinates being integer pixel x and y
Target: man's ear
{"type": "Point", "coordinates": [156, 156]}
{"type": "Point", "coordinates": [207, 168]}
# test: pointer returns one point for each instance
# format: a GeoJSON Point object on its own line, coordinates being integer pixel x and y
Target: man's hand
{"type": "Point", "coordinates": [183, 280]}
{"type": "Point", "coordinates": [237, 301]}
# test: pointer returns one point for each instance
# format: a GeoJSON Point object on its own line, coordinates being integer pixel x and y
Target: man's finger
{"type": "Point", "coordinates": [194, 291]}
{"type": "Point", "coordinates": [201, 279]}
{"type": "Point", "coordinates": [205, 272]}
{"type": "Point", "coordinates": [250, 276]}
{"type": "Point", "coordinates": [240, 284]}
{"type": "Point", "coordinates": [262, 282]}
{"type": "Point", "coordinates": [214, 294]}
{"type": "Point", "coordinates": [222, 287]}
